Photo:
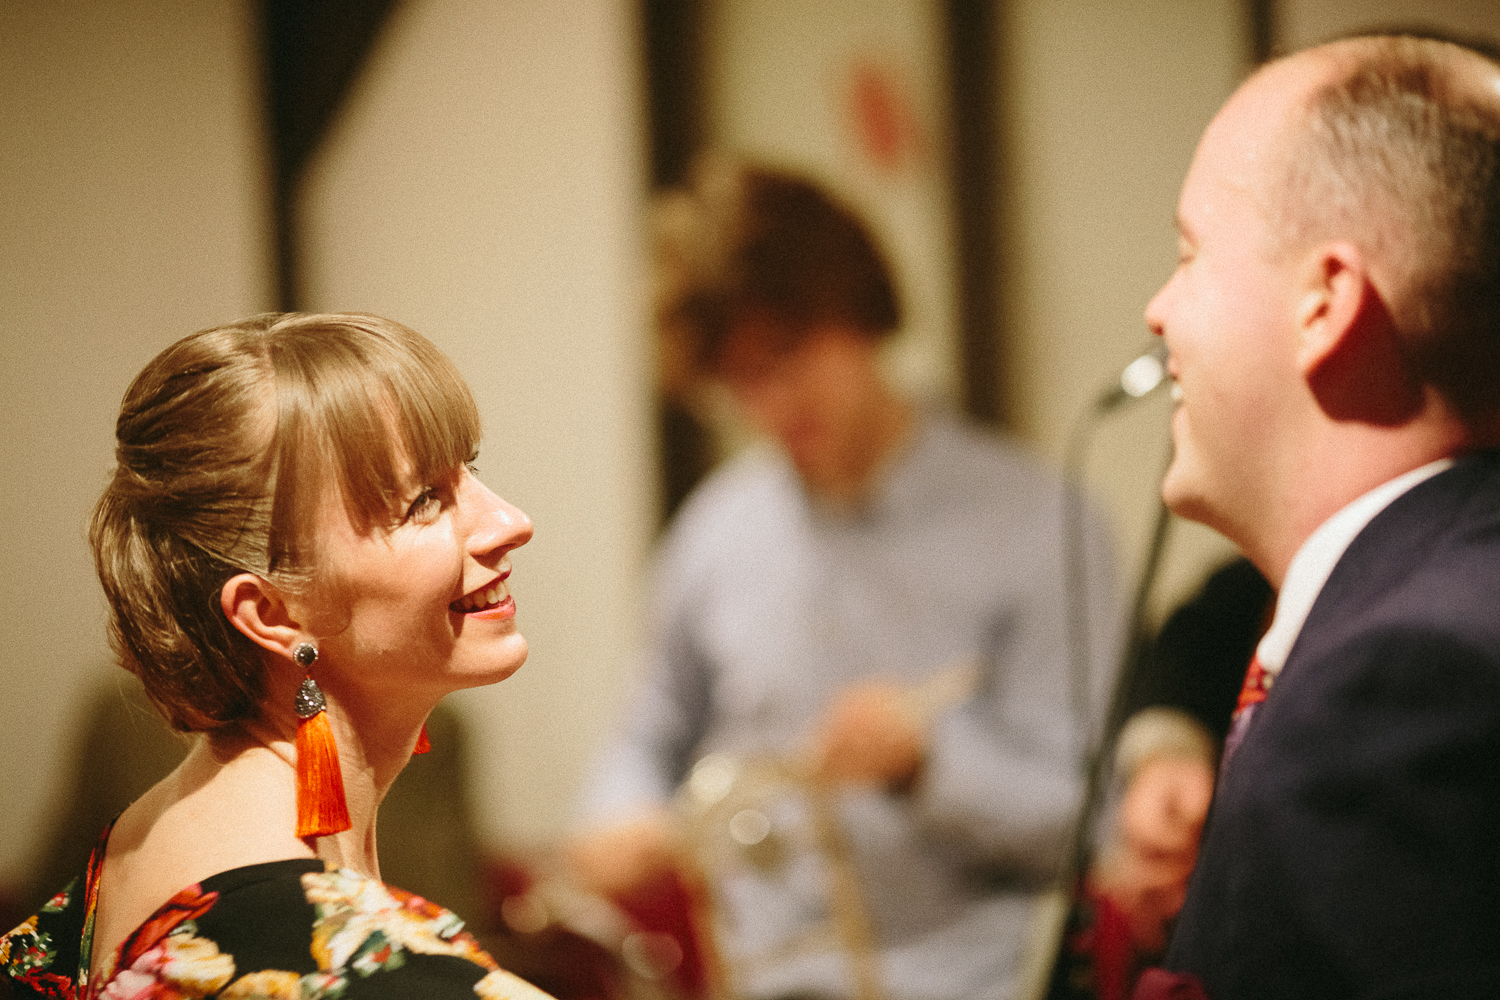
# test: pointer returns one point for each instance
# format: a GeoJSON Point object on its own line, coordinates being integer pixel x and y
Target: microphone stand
{"type": "Point", "coordinates": [1139, 379]}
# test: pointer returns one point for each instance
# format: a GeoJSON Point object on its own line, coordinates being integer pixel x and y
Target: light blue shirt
{"type": "Point", "coordinates": [768, 603]}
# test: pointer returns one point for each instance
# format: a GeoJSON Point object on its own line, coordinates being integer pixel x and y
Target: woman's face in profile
{"type": "Point", "coordinates": [423, 602]}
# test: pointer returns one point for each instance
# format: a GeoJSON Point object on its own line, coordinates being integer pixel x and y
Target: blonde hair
{"type": "Point", "coordinates": [228, 444]}
{"type": "Point", "coordinates": [1401, 150]}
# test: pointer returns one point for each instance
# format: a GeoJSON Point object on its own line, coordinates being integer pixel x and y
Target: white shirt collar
{"type": "Point", "coordinates": [1314, 561]}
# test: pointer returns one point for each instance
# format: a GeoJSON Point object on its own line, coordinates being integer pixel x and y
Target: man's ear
{"type": "Point", "coordinates": [1348, 350]}
{"type": "Point", "coordinates": [1336, 284]}
{"type": "Point", "coordinates": [259, 610]}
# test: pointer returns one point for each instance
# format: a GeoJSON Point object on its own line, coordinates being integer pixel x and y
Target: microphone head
{"type": "Point", "coordinates": [1145, 373]}
{"type": "Point", "coordinates": [1140, 378]}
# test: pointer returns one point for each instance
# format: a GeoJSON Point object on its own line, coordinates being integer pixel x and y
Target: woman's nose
{"type": "Point", "coordinates": [496, 524]}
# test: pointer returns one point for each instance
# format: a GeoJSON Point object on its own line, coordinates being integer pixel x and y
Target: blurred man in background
{"type": "Point", "coordinates": [1334, 326]}
{"type": "Point", "coordinates": [874, 599]}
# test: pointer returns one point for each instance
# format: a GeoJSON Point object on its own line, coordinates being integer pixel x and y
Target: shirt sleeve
{"type": "Point", "coordinates": [1004, 775]}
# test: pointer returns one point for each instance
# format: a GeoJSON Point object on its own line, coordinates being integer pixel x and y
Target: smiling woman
{"type": "Point", "coordinates": [300, 562]}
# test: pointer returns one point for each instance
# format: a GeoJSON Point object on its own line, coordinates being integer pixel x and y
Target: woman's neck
{"type": "Point", "coordinates": [368, 767]}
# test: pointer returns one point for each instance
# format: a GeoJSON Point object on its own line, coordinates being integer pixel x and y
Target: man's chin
{"type": "Point", "coordinates": [1192, 504]}
{"type": "Point", "coordinates": [1181, 496]}
{"type": "Point", "coordinates": [1192, 487]}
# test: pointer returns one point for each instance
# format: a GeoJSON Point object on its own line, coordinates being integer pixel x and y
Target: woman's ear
{"type": "Point", "coordinates": [259, 610]}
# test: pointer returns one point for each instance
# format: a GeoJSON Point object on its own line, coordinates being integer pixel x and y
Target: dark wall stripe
{"type": "Point", "coordinates": [972, 44]}
{"type": "Point", "coordinates": [673, 37]}
{"type": "Point", "coordinates": [673, 42]}
{"type": "Point", "coordinates": [312, 51]}
{"type": "Point", "coordinates": [1261, 16]}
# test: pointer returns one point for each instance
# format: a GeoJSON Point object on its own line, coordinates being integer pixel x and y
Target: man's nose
{"type": "Point", "coordinates": [1156, 310]}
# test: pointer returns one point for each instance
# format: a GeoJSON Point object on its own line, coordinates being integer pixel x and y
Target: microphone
{"type": "Point", "coordinates": [1139, 378]}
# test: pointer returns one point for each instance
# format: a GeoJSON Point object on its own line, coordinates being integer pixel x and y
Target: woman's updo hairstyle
{"type": "Point", "coordinates": [228, 445]}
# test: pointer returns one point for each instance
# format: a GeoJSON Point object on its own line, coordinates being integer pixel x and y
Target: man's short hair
{"type": "Point", "coordinates": [748, 242]}
{"type": "Point", "coordinates": [1401, 152]}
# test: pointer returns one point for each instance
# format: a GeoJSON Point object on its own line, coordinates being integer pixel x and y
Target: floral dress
{"type": "Point", "coordinates": [284, 930]}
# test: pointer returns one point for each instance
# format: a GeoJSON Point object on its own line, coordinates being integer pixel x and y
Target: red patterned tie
{"type": "Point", "coordinates": [1257, 685]}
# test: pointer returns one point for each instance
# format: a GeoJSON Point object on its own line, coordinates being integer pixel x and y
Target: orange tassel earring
{"type": "Point", "coordinates": [423, 743]}
{"type": "Point", "coordinates": [321, 808]}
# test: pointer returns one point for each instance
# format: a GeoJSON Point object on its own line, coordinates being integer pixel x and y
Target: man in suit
{"type": "Point", "coordinates": [1334, 328]}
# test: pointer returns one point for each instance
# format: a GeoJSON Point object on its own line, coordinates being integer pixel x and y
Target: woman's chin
{"type": "Point", "coordinates": [497, 668]}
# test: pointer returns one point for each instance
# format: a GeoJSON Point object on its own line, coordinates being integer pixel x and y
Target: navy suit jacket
{"type": "Point", "coordinates": [1353, 846]}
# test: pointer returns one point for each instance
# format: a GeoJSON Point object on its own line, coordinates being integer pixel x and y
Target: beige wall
{"type": "Point", "coordinates": [131, 213]}
{"type": "Point", "coordinates": [484, 186]}
{"type": "Point", "coordinates": [780, 77]}
{"type": "Point", "coordinates": [1104, 105]}
{"type": "Point", "coordinates": [1306, 22]}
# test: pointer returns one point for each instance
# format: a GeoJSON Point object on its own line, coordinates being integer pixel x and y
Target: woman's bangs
{"type": "Point", "coordinates": [438, 422]}
{"type": "Point", "coordinates": [375, 405]}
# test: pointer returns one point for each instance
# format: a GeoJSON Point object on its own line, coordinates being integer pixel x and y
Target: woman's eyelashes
{"type": "Point", "coordinates": [430, 502]}
{"type": "Point", "coordinates": [425, 507]}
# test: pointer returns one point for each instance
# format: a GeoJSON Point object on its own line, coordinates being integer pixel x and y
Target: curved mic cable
{"type": "Point", "coordinates": [1139, 379]}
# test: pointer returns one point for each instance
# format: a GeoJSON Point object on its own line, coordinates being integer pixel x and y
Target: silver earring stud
{"type": "Point", "coordinates": [309, 700]}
